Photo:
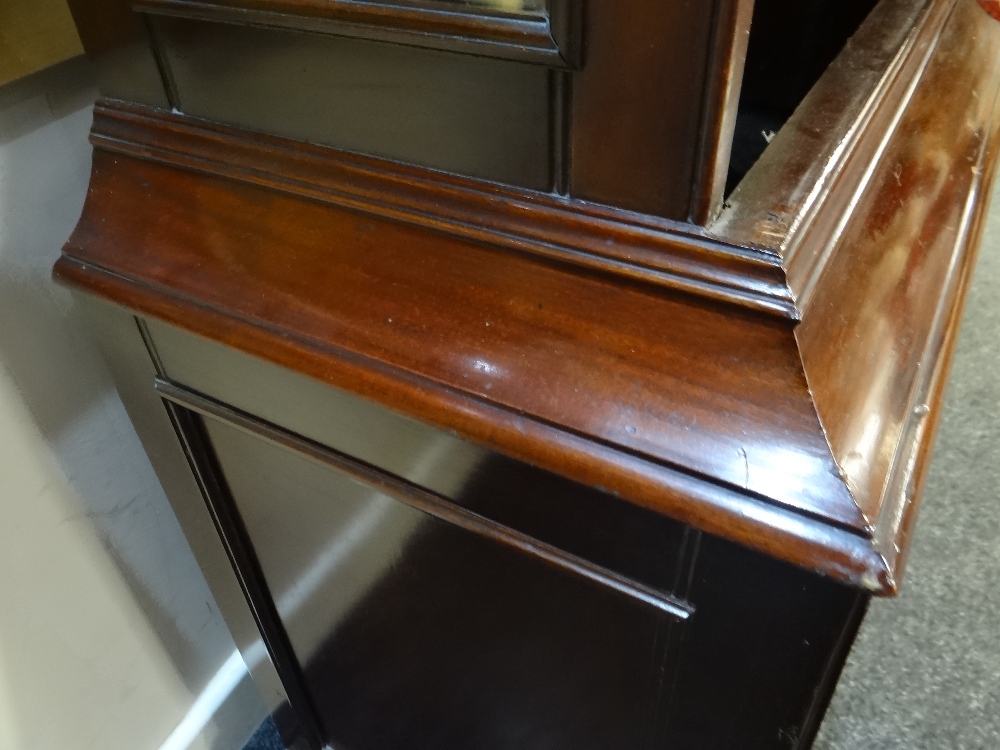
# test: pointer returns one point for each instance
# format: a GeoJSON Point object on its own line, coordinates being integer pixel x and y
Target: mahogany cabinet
{"type": "Point", "coordinates": [538, 373]}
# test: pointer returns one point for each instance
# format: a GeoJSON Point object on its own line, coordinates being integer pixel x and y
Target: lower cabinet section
{"type": "Point", "coordinates": [415, 591]}
{"type": "Point", "coordinates": [412, 632]}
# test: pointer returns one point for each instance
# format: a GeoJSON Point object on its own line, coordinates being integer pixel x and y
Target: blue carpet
{"type": "Point", "coordinates": [266, 737]}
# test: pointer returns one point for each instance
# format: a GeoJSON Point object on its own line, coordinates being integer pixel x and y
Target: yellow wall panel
{"type": "Point", "coordinates": [35, 34]}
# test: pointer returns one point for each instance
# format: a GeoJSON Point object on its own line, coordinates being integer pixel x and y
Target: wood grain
{"type": "Point", "coordinates": [646, 249]}
{"type": "Point", "coordinates": [625, 351]}
{"type": "Point", "coordinates": [529, 37]}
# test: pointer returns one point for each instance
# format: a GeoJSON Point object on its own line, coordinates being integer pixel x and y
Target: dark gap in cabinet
{"type": "Point", "coordinates": [792, 42]}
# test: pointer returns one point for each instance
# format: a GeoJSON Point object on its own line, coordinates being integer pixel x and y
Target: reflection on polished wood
{"type": "Point", "coordinates": [451, 297]}
{"type": "Point", "coordinates": [510, 6]}
{"type": "Point", "coordinates": [536, 31]}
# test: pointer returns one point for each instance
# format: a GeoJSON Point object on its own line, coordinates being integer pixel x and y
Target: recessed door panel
{"type": "Point", "coordinates": [413, 632]}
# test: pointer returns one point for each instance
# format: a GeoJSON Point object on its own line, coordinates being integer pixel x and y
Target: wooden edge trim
{"type": "Point", "coordinates": [636, 248]}
{"type": "Point", "coordinates": [908, 472]}
{"type": "Point", "coordinates": [422, 499]}
{"type": "Point", "coordinates": [528, 38]}
{"type": "Point", "coordinates": [204, 466]}
{"type": "Point", "coordinates": [798, 173]}
{"type": "Point", "coordinates": [712, 507]}
{"type": "Point", "coordinates": [855, 169]}
{"type": "Point", "coordinates": [731, 37]}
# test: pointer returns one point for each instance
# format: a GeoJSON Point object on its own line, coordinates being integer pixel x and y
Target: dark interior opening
{"type": "Point", "coordinates": [791, 43]}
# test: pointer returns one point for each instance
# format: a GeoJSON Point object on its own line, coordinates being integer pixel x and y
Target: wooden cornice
{"type": "Point", "coordinates": [877, 233]}
{"type": "Point", "coordinates": [666, 365]}
{"type": "Point", "coordinates": [548, 38]}
{"type": "Point", "coordinates": [841, 122]}
{"type": "Point", "coordinates": [639, 247]}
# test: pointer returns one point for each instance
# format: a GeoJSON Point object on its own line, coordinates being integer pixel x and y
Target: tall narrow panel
{"type": "Point", "coordinates": [637, 104]}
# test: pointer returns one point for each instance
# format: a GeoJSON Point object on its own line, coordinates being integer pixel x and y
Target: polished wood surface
{"type": "Point", "coordinates": [646, 249]}
{"type": "Point", "coordinates": [694, 408]}
{"type": "Point", "coordinates": [639, 103]}
{"type": "Point", "coordinates": [547, 36]}
{"type": "Point", "coordinates": [505, 415]}
{"type": "Point", "coordinates": [899, 299]}
{"type": "Point", "coordinates": [880, 295]}
{"type": "Point", "coordinates": [531, 359]}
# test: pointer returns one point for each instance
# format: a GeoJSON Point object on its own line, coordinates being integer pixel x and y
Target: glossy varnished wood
{"type": "Point", "coordinates": [898, 277]}
{"type": "Point", "coordinates": [877, 236]}
{"type": "Point", "coordinates": [697, 409]}
{"type": "Point", "coordinates": [513, 365]}
{"type": "Point", "coordinates": [549, 37]}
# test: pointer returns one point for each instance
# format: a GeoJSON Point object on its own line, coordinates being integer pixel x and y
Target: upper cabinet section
{"type": "Point", "coordinates": [537, 31]}
{"type": "Point", "coordinates": [626, 104]}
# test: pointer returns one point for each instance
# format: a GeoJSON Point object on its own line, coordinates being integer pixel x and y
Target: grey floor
{"type": "Point", "coordinates": [925, 671]}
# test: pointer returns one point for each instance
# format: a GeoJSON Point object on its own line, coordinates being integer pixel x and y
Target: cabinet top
{"type": "Point", "coordinates": [781, 396]}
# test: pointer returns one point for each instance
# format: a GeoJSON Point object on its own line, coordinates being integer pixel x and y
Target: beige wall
{"type": "Point", "coordinates": [109, 636]}
{"type": "Point", "coordinates": [79, 664]}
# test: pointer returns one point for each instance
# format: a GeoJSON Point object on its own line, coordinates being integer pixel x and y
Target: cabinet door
{"type": "Point", "coordinates": [409, 630]}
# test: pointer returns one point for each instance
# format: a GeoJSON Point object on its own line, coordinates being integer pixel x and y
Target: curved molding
{"type": "Point", "coordinates": [635, 246]}
{"type": "Point", "coordinates": [633, 354]}
{"type": "Point", "coordinates": [877, 234]}
{"type": "Point", "coordinates": [550, 38]}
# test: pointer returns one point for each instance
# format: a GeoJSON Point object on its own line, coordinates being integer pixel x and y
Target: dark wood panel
{"type": "Point", "coordinates": [540, 36]}
{"type": "Point", "coordinates": [471, 115]}
{"type": "Point", "coordinates": [421, 622]}
{"type": "Point", "coordinates": [762, 652]}
{"type": "Point", "coordinates": [639, 103]}
{"type": "Point", "coordinates": [385, 608]}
